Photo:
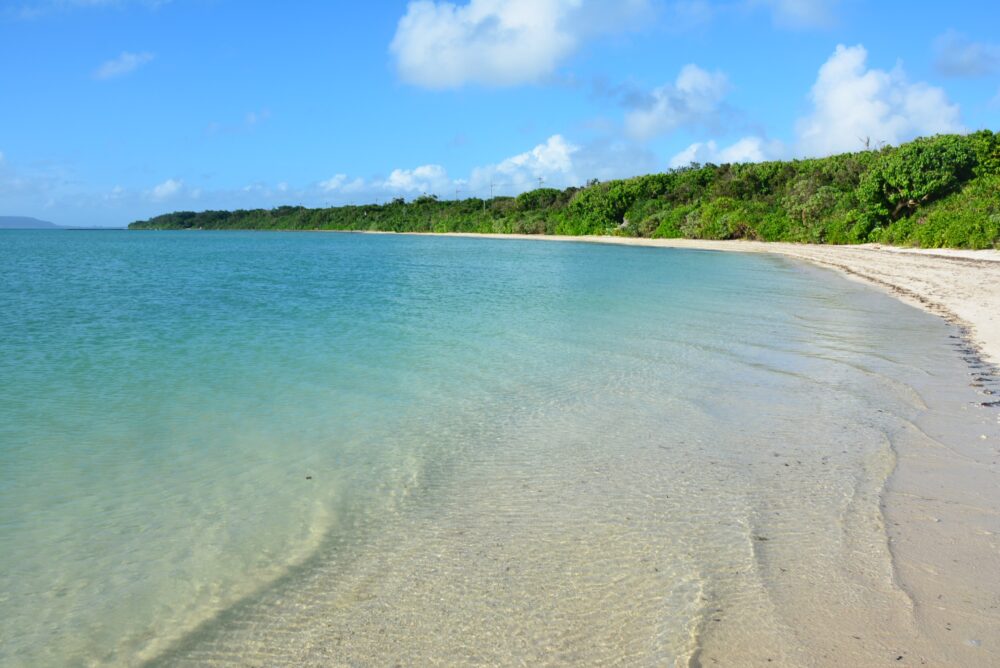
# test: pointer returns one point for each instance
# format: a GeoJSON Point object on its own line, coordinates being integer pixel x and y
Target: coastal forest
{"type": "Point", "coordinates": [941, 191]}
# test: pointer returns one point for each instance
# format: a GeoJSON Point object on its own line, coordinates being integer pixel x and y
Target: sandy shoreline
{"type": "Point", "coordinates": [961, 286]}
{"type": "Point", "coordinates": [912, 571]}
{"type": "Point", "coordinates": [940, 505]}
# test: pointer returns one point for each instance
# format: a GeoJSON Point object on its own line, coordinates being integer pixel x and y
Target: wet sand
{"type": "Point", "coordinates": [908, 575]}
{"type": "Point", "coordinates": [941, 503]}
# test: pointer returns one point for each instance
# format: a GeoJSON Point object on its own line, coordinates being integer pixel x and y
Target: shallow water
{"type": "Point", "coordinates": [265, 449]}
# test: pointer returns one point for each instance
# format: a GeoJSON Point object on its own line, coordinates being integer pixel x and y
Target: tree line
{"type": "Point", "coordinates": [931, 192]}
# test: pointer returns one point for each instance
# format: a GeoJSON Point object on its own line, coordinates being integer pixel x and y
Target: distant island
{"type": "Point", "coordinates": [937, 191]}
{"type": "Point", "coordinates": [26, 223]}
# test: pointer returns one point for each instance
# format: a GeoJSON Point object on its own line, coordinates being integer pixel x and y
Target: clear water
{"type": "Point", "coordinates": [268, 448]}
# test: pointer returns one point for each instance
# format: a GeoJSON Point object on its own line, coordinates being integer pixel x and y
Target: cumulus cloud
{"type": "Point", "coordinates": [695, 98]}
{"type": "Point", "coordinates": [430, 179]}
{"type": "Point", "coordinates": [423, 179]}
{"type": "Point", "coordinates": [852, 103]}
{"type": "Point", "coordinates": [747, 149]}
{"type": "Point", "coordinates": [550, 163]}
{"type": "Point", "coordinates": [167, 189]}
{"type": "Point", "coordinates": [498, 42]}
{"type": "Point", "coordinates": [958, 56]}
{"type": "Point", "coordinates": [800, 13]}
{"type": "Point", "coordinates": [124, 64]}
{"type": "Point", "coordinates": [553, 163]}
{"type": "Point", "coordinates": [556, 163]}
{"type": "Point", "coordinates": [338, 183]}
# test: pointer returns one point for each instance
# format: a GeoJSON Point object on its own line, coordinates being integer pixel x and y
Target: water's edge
{"type": "Point", "coordinates": [290, 450]}
{"type": "Point", "coordinates": [892, 492]}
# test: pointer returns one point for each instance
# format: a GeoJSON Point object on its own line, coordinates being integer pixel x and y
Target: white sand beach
{"type": "Point", "coordinates": [941, 504]}
{"type": "Point", "coordinates": [824, 494]}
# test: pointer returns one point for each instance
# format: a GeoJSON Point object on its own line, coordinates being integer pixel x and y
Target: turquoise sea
{"type": "Point", "coordinates": [309, 448]}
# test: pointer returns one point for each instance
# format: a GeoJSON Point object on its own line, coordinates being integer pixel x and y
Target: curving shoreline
{"type": "Point", "coordinates": [740, 459]}
{"type": "Point", "coordinates": [927, 500]}
{"type": "Point", "coordinates": [939, 504]}
{"type": "Point", "coordinates": [962, 286]}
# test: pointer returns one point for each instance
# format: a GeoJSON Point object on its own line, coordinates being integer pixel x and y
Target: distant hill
{"type": "Point", "coordinates": [26, 223]}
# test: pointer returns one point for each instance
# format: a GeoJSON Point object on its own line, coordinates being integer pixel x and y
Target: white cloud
{"type": "Point", "coordinates": [853, 103]}
{"type": "Point", "coordinates": [751, 149]}
{"type": "Point", "coordinates": [124, 64]}
{"type": "Point", "coordinates": [747, 149]}
{"type": "Point", "coordinates": [555, 163]}
{"type": "Point", "coordinates": [551, 162]}
{"type": "Point", "coordinates": [958, 56]}
{"type": "Point", "coordinates": [800, 13]}
{"type": "Point", "coordinates": [336, 183]}
{"type": "Point", "coordinates": [498, 42]}
{"type": "Point", "coordinates": [423, 179]}
{"type": "Point", "coordinates": [693, 99]}
{"type": "Point", "coordinates": [555, 156]}
{"type": "Point", "coordinates": [696, 152]}
{"type": "Point", "coordinates": [167, 189]}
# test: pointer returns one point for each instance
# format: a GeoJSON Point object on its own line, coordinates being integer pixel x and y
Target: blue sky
{"type": "Point", "coordinates": [115, 110]}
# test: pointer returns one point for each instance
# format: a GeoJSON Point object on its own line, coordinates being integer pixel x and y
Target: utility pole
{"type": "Point", "coordinates": [491, 196]}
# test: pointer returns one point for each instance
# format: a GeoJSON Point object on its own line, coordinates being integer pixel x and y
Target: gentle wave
{"type": "Point", "coordinates": [294, 449]}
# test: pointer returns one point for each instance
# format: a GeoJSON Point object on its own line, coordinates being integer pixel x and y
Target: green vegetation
{"type": "Point", "coordinates": [932, 192]}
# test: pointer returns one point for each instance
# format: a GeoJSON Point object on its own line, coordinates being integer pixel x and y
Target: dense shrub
{"type": "Point", "coordinates": [934, 191]}
{"type": "Point", "coordinates": [913, 175]}
{"type": "Point", "coordinates": [969, 219]}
